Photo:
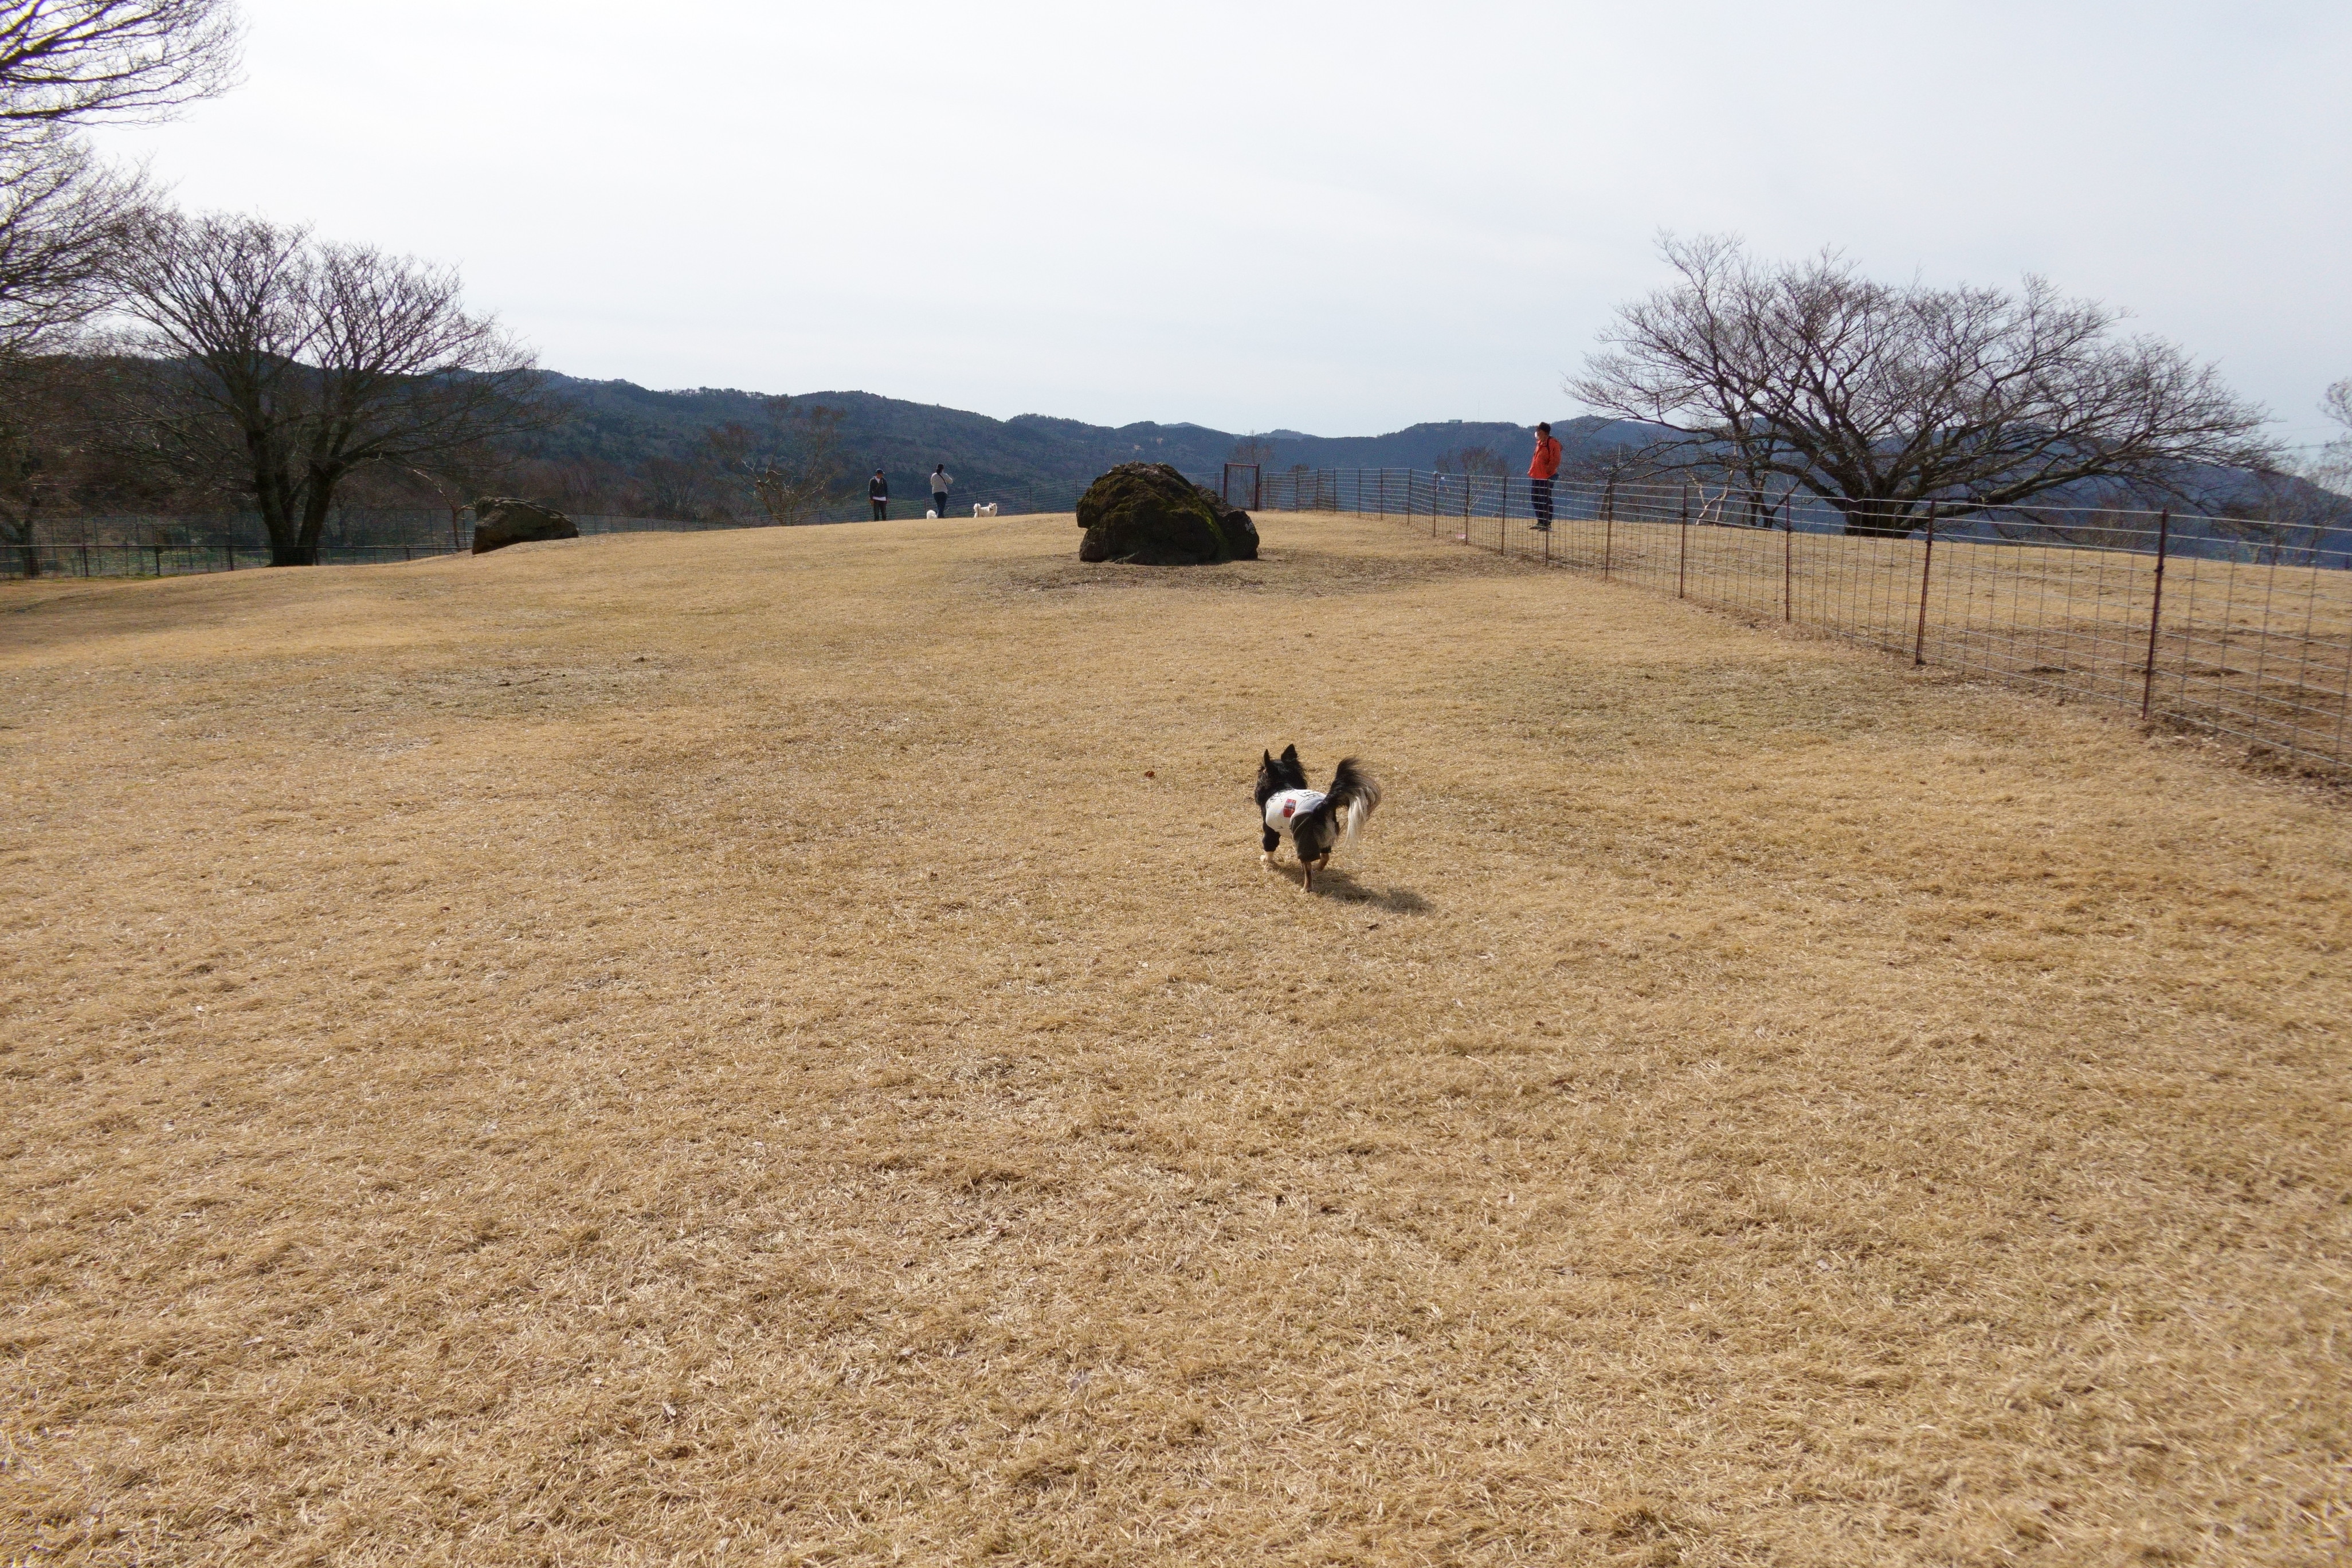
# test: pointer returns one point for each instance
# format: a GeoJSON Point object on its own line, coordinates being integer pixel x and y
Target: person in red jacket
{"type": "Point", "coordinates": [1542, 473]}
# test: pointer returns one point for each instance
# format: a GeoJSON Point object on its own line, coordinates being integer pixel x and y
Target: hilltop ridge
{"type": "Point", "coordinates": [622, 424]}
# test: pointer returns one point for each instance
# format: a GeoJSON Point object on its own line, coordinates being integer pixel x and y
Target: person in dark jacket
{"type": "Point", "coordinates": [877, 490]}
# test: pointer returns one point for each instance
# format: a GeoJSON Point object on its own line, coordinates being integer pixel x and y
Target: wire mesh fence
{"type": "Point", "coordinates": [145, 546]}
{"type": "Point", "coordinates": [2236, 626]}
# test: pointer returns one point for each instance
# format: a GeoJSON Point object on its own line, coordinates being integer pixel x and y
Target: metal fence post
{"type": "Point", "coordinates": [2154, 614]}
{"type": "Point", "coordinates": [1788, 566]}
{"type": "Point", "coordinates": [1927, 566]}
{"type": "Point", "coordinates": [1682, 565]}
{"type": "Point", "coordinates": [1503, 515]}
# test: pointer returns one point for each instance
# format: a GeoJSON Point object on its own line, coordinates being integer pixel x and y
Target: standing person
{"type": "Point", "coordinates": [877, 490]}
{"type": "Point", "coordinates": [941, 480]}
{"type": "Point", "coordinates": [1542, 473]}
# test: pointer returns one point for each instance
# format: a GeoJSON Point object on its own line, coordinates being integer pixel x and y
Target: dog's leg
{"type": "Point", "coordinates": [1266, 852]}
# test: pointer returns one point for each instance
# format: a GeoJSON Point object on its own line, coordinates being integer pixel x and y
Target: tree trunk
{"type": "Point", "coordinates": [285, 548]}
{"type": "Point", "coordinates": [1878, 519]}
{"type": "Point", "coordinates": [274, 497]}
{"type": "Point", "coordinates": [21, 536]}
{"type": "Point", "coordinates": [315, 502]}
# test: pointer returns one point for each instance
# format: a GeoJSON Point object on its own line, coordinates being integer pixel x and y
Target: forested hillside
{"type": "Point", "coordinates": [618, 446]}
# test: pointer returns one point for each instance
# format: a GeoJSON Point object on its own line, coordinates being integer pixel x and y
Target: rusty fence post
{"type": "Point", "coordinates": [1608, 539]}
{"type": "Point", "coordinates": [1926, 566]}
{"type": "Point", "coordinates": [1788, 566]}
{"type": "Point", "coordinates": [2154, 614]}
{"type": "Point", "coordinates": [1682, 565]}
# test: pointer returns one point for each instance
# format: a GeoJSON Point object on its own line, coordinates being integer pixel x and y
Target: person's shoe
{"type": "Point", "coordinates": [1543, 528]}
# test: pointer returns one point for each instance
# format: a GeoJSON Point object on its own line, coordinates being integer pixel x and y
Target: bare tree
{"type": "Point", "coordinates": [1254, 449]}
{"type": "Point", "coordinates": [79, 61]}
{"type": "Point", "coordinates": [63, 220]}
{"type": "Point", "coordinates": [1881, 399]}
{"type": "Point", "coordinates": [65, 64]}
{"type": "Point", "coordinates": [38, 424]}
{"type": "Point", "coordinates": [2110, 516]}
{"type": "Point", "coordinates": [2333, 467]}
{"type": "Point", "coordinates": [68, 63]}
{"type": "Point", "coordinates": [800, 465]}
{"type": "Point", "coordinates": [65, 215]}
{"type": "Point", "coordinates": [2287, 519]}
{"type": "Point", "coordinates": [1484, 461]}
{"type": "Point", "coordinates": [298, 362]}
{"type": "Point", "coordinates": [460, 476]}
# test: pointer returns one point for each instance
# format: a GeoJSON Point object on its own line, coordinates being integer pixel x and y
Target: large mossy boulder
{"type": "Point", "coordinates": [501, 520]}
{"type": "Point", "coordinates": [1149, 515]}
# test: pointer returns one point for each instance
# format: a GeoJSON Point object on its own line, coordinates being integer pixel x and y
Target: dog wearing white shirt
{"type": "Point", "coordinates": [1315, 821]}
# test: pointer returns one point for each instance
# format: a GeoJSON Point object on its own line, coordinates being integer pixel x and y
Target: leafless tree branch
{"type": "Point", "coordinates": [80, 60]}
{"type": "Point", "coordinates": [298, 362]}
{"type": "Point", "coordinates": [1881, 399]}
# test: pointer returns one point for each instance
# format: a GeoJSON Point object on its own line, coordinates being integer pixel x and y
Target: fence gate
{"type": "Point", "coordinates": [1244, 488]}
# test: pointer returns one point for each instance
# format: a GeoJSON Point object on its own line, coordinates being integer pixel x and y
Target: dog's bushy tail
{"type": "Point", "coordinates": [1352, 797]}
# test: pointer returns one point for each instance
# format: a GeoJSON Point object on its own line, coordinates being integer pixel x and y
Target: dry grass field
{"type": "Point", "coordinates": [775, 1047]}
{"type": "Point", "coordinates": [2262, 653]}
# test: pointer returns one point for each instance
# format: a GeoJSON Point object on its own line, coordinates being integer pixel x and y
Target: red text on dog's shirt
{"type": "Point", "coordinates": [1282, 806]}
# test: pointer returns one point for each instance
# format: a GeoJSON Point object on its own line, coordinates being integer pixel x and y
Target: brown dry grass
{"type": "Point", "coordinates": [775, 1046]}
{"type": "Point", "coordinates": [2261, 652]}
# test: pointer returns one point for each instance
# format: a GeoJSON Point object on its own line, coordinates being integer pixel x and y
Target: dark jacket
{"type": "Point", "coordinates": [877, 489]}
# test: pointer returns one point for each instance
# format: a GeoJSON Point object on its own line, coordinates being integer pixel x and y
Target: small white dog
{"type": "Point", "coordinates": [927, 513]}
{"type": "Point", "coordinates": [983, 509]}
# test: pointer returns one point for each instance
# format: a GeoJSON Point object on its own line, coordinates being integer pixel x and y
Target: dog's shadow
{"type": "Point", "coordinates": [1346, 889]}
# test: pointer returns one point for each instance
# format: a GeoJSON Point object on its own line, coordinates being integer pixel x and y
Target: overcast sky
{"type": "Point", "coordinates": [1336, 218]}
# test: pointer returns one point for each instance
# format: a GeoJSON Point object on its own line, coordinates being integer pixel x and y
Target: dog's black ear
{"type": "Point", "coordinates": [1269, 758]}
{"type": "Point", "coordinates": [1289, 753]}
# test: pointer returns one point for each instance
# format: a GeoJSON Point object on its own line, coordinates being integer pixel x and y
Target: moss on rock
{"type": "Point", "coordinates": [1149, 515]}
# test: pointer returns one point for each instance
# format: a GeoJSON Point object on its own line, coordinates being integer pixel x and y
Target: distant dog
{"type": "Point", "coordinates": [929, 514]}
{"type": "Point", "coordinates": [983, 509]}
{"type": "Point", "coordinates": [1315, 821]}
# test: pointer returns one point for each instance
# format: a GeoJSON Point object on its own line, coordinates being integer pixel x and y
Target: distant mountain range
{"type": "Point", "coordinates": [620, 435]}
{"type": "Point", "coordinates": [620, 422]}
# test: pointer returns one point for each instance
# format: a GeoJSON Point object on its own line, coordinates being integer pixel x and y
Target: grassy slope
{"type": "Point", "coordinates": [779, 1042]}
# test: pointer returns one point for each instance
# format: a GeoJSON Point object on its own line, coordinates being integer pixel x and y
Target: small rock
{"type": "Point", "coordinates": [501, 520]}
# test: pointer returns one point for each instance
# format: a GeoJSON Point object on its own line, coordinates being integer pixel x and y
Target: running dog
{"type": "Point", "coordinates": [1315, 821]}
